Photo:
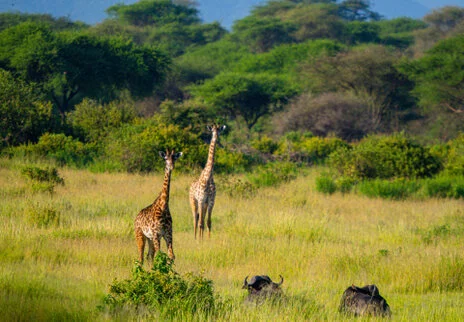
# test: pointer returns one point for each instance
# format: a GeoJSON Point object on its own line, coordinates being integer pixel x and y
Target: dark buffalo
{"type": "Point", "coordinates": [261, 287]}
{"type": "Point", "coordinates": [364, 301]}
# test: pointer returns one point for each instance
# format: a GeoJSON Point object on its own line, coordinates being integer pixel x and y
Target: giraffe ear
{"type": "Point", "coordinates": [177, 155]}
{"type": "Point", "coordinates": [162, 154]}
{"type": "Point", "coordinates": [222, 128]}
{"type": "Point", "coordinates": [209, 127]}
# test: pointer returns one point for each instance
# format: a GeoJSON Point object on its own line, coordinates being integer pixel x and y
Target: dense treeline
{"type": "Point", "coordinates": [287, 78]}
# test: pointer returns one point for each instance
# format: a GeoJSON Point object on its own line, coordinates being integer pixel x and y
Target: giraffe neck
{"type": "Point", "coordinates": [163, 199]}
{"type": "Point", "coordinates": [207, 173]}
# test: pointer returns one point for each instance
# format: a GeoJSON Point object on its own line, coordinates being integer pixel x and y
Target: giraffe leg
{"type": "Point", "coordinates": [140, 239]}
{"type": "Point", "coordinates": [156, 243]}
{"type": "Point", "coordinates": [151, 250]}
{"type": "Point", "coordinates": [194, 206]}
{"type": "Point", "coordinates": [203, 211]}
{"type": "Point", "coordinates": [168, 239]}
{"type": "Point", "coordinates": [208, 221]}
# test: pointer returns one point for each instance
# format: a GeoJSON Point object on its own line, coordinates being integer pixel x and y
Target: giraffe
{"type": "Point", "coordinates": [155, 221]}
{"type": "Point", "coordinates": [203, 191]}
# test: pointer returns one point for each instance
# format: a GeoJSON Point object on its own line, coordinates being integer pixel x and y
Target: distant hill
{"type": "Point", "coordinates": [224, 11]}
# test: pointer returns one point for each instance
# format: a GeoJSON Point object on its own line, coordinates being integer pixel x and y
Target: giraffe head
{"type": "Point", "coordinates": [170, 156]}
{"type": "Point", "coordinates": [216, 129]}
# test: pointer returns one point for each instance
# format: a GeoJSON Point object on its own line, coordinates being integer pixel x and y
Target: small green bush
{"type": "Point", "coordinates": [385, 157]}
{"type": "Point", "coordinates": [272, 174]}
{"type": "Point", "coordinates": [65, 150]}
{"type": "Point", "coordinates": [49, 174]}
{"type": "Point", "coordinates": [265, 145]}
{"type": "Point", "coordinates": [444, 187]}
{"type": "Point", "coordinates": [307, 148]}
{"type": "Point", "coordinates": [326, 185]}
{"type": "Point", "coordinates": [345, 184]}
{"type": "Point", "coordinates": [395, 190]}
{"type": "Point", "coordinates": [162, 292]}
{"type": "Point", "coordinates": [43, 180]}
{"type": "Point", "coordinates": [42, 216]}
{"type": "Point", "coordinates": [235, 187]}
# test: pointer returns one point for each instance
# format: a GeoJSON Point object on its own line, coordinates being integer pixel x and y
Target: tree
{"type": "Point", "coordinates": [445, 18]}
{"type": "Point", "coordinates": [24, 114]}
{"type": "Point", "coordinates": [262, 34]}
{"type": "Point", "coordinates": [246, 95]}
{"type": "Point", "coordinates": [69, 65]}
{"type": "Point", "coordinates": [315, 21]}
{"type": "Point", "coordinates": [154, 12]}
{"type": "Point", "coordinates": [439, 75]}
{"type": "Point", "coordinates": [369, 74]}
{"type": "Point", "coordinates": [357, 10]}
{"type": "Point", "coordinates": [336, 114]}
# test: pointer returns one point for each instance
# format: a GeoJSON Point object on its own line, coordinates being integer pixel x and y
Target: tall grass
{"type": "Point", "coordinates": [62, 270]}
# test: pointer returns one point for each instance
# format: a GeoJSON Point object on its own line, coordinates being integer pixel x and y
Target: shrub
{"type": "Point", "coordinates": [444, 187]}
{"type": "Point", "coordinates": [65, 150]}
{"type": "Point", "coordinates": [326, 185]}
{"type": "Point", "coordinates": [453, 154]}
{"type": "Point", "coordinates": [395, 190]}
{"type": "Point", "coordinates": [272, 174]}
{"type": "Point", "coordinates": [43, 180]}
{"type": "Point", "coordinates": [136, 147]}
{"type": "Point", "coordinates": [235, 187]}
{"type": "Point", "coordinates": [265, 145]}
{"type": "Point", "coordinates": [93, 120]}
{"type": "Point", "coordinates": [385, 157]}
{"type": "Point", "coordinates": [49, 174]}
{"type": "Point", "coordinates": [42, 216]}
{"type": "Point", "coordinates": [162, 291]}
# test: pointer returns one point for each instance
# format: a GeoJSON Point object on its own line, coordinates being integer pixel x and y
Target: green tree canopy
{"type": "Point", "coordinates": [247, 95]}
{"type": "Point", "coordinates": [367, 72]}
{"type": "Point", "coordinates": [154, 12]}
{"type": "Point", "coordinates": [261, 34]}
{"type": "Point", "coordinates": [69, 64]}
{"type": "Point", "coordinates": [439, 75]}
{"type": "Point", "coordinates": [357, 10]}
{"type": "Point", "coordinates": [24, 114]}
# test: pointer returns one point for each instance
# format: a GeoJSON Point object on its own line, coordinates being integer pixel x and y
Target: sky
{"type": "Point", "coordinates": [224, 11]}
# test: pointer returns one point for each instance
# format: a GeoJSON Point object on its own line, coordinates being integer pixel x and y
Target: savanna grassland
{"type": "Point", "coordinates": [60, 252]}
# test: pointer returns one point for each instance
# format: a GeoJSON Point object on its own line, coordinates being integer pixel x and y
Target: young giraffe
{"type": "Point", "coordinates": [203, 191]}
{"type": "Point", "coordinates": [155, 221]}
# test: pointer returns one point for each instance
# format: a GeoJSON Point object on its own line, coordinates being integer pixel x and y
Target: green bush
{"type": "Point", "coordinates": [162, 292]}
{"type": "Point", "coordinates": [396, 190]}
{"type": "Point", "coordinates": [453, 155]}
{"type": "Point", "coordinates": [65, 150]}
{"type": "Point", "coordinates": [345, 184]}
{"type": "Point", "coordinates": [265, 145]}
{"type": "Point", "coordinates": [308, 148]}
{"type": "Point", "coordinates": [43, 180]}
{"type": "Point", "coordinates": [235, 187]}
{"type": "Point", "coordinates": [49, 174]}
{"type": "Point", "coordinates": [136, 147]}
{"type": "Point", "coordinates": [385, 157]}
{"type": "Point", "coordinates": [326, 185]}
{"type": "Point", "coordinates": [94, 121]}
{"type": "Point", "coordinates": [444, 187]}
{"type": "Point", "coordinates": [272, 174]}
{"type": "Point", "coordinates": [42, 216]}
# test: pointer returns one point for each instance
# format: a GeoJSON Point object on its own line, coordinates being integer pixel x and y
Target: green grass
{"type": "Point", "coordinates": [59, 270]}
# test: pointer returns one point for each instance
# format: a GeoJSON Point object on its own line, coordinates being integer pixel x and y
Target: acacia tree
{"type": "Point", "coordinates": [246, 95]}
{"type": "Point", "coordinates": [369, 74]}
{"type": "Point", "coordinates": [72, 65]}
{"type": "Point", "coordinates": [24, 114]}
{"type": "Point", "coordinates": [439, 76]}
